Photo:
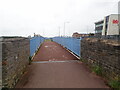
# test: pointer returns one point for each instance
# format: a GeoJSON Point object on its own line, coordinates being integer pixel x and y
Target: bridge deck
{"type": "Point", "coordinates": [51, 51]}
{"type": "Point", "coordinates": [55, 67]}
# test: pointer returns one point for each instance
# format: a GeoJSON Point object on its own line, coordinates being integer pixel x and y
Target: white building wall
{"type": "Point", "coordinates": [113, 28]}
{"type": "Point", "coordinates": [119, 15]}
{"type": "Point", "coordinates": [103, 31]}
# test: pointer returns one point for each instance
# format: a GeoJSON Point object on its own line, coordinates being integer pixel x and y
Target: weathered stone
{"type": "Point", "coordinates": [104, 53]}
{"type": "Point", "coordinates": [15, 58]}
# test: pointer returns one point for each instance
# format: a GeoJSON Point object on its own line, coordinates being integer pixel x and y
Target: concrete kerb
{"type": "Point", "coordinates": [71, 52]}
{"type": "Point", "coordinates": [36, 51]}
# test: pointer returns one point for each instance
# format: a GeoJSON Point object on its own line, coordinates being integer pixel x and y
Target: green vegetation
{"type": "Point", "coordinates": [115, 83]}
{"type": "Point", "coordinates": [82, 60]}
{"type": "Point", "coordinates": [97, 70]}
{"type": "Point", "coordinates": [48, 40]}
{"type": "Point", "coordinates": [91, 34]}
{"type": "Point", "coordinates": [30, 60]}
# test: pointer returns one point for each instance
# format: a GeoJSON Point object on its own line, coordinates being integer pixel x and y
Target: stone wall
{"type": "Point", "coordinates": [15, 58]}
{"type": "Point", "coordinates": [0, 63]}
{"type": "Point", "coordinates": [103, 53]}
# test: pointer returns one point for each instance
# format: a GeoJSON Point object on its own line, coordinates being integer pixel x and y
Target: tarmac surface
{"type": "Point", "coordinates": [55, 67]}
{"type": "Point", "coordinates": [51, 51]}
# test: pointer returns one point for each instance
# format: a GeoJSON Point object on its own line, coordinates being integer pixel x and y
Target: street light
{"type": "Point", "coordinates": [64, 26]}
{"type": "Point", "coordinates": [59, 31]}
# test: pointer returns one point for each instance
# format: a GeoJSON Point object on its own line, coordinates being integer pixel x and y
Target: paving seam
{"type": "Point", "coordinates": [56, 61]}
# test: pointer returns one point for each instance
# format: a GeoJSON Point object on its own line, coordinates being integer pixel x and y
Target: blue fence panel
{"type": "Point", "coordinates": [70, 43]}
{"type": "Point", "coordinates": [35, 43]}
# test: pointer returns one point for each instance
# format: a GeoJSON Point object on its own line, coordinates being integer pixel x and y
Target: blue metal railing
{"type": "Point", "coordinates": [35, 43]}
{"type": "Point", "coordinates": [73, 44]}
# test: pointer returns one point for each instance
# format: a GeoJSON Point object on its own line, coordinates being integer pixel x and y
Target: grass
{"type": "Point", "coordinates": [97, 70]}
{"type": "Point", "coordinates": [82, 60]}
{"type": "Point", "coordinates": [30, 60]}
{"type": "Point", "coordinates": [115, 83]}
{"type": "Point", "coordinates": [48, 40]}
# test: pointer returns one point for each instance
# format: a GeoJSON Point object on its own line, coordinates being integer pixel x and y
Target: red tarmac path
{"type": "Point", "coordinates": [51, 51]}
{"type": "Point", "coordinates": [55, 67]}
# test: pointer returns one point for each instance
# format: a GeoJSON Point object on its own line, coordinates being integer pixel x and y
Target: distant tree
{"type": "Point", "coordinates": [91, 34]}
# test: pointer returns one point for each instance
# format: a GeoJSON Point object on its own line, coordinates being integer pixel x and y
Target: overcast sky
{"type": "Point", "coordinates": [44, 17]}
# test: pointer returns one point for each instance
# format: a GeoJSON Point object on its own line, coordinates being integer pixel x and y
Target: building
{"type": "Point", "coordinates": [77, 35]}
{"type": "Point", "coordinates": [99, 27]}
{"type": "Point", "coordinates": [108, 26]}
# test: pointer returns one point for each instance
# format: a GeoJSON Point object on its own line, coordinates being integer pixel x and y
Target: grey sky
{"type": "Point", "coordinates": [25, 17]}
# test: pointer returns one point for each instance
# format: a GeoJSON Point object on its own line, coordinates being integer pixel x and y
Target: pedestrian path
{"type": "Point", "coordinates": [55, 67]}
{"type": "Point", "coordinates": [51, 51]}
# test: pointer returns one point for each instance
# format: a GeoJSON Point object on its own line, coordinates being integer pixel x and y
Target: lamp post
{"type": "Point", "coordinates": [59, 31]}
{"type": "Point", "coordinates": [64, 26]}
